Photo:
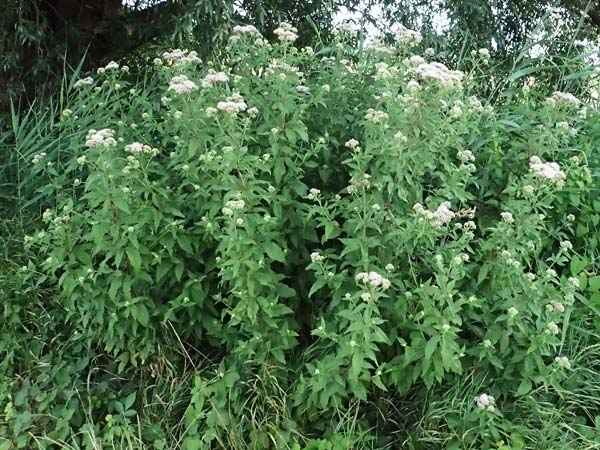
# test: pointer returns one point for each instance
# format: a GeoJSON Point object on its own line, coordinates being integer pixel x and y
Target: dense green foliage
{"type": "Point", "coordinates": [329, 248]}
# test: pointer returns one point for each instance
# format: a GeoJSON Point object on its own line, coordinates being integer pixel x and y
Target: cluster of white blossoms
{"type": "Point", "coordinates": [313, 194]}
{"type": "Point", "coordinates": [375, 116]}
{"type": "Point", "coordinates": [180, 84]}
{"type": "Point", "coordinates": [407, 36]}
{"type": "Point", "coordinates": [413, 85]}
{"type": "Point", "coordinates": [362, 182]}
{"type": "Point", "coordinates": [555, 306]}
{"type": "Point", "coordinates": [563, 362]}
{"type": "Point", "coordinates": [414, 60]}
{"type": "Point", "coordinates": [102, 138]}
{"type": "Point", "coordinates": [439, 73]}
{"type": "Point", "coordinates": [138, 148]}
{"type": "Point", "coordinates": [233, 104]}
{"type": "Point", "coordinates": [547, 170]}
{"type": "Point", "coordinates": [178, 57]}
{"type": "Point", "coordinates": [466, 156]}
{"type": "Point", "coordinates": [442, 215]}
{"type": "Point", "coordinates": [233, 205]}
{"type": "Point", "coordinates": [485, 402]}
{"type": "Point", "coordinates": [132, 163]}
{"type": "Point", "coordinates": [552, 328]}
{"type": "Point", "coordinates": [112, 65]}
{"type": "Point", "coordinates": [377, 46]}
{"type": "Point", "coordinates": [567, 128]}
{"type": "Point", "coordinates": [278, 66]}
{"type": "Point", "coordinates": [286, 33]}
{"type": "Point", "coordinates": [574, 282]}
{"type": "Point", "coordinates": [373, 279]}
{"type": "Point", "coordinates": [246, 29]}
{"type": "Point", "coordinates": [316, 257]}
{"type": "Point", "coordinates": [353, 145]}
{"type": "Point", "coordinates": [384, 71]}
{"type": "Point", "coordinates": [213, 78]}
{"type": "Point", "coordinates": [87, 81]}
{"type": "Point", "coordinates": [507, 217]}
{"type": "Point", "coordinates": [38, 158]}
{"type": "Point", "coordinates": [303, 89]}
{"type": "Point", "coordinates": [562, 98]}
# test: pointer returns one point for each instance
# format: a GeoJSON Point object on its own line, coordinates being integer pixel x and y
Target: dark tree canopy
{"type": "Point", "coordinates": [38, 36]}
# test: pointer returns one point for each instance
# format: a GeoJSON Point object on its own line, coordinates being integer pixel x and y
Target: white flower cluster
{"type": "Point", "coordinates": [507, 217]}
{"type": "Point", "coordinates": [379, 47]}
{"type": "Point", "coordinates": [361, 182]}
{"type": "Point", "coordinates": [87, 81]}
{"type": "Point", "coordinates": [383, 71]}
{"type": "Point", "coordinates": [548, 170]}
{"type": "Point", "coordinates": [562, 98]}
{"type": "Point", "coordinates": [376, 116]}
{"type": "Point", "coordinates": [485, 402]}
{"type": "Point", "coordinates": [102, 138]}
{"type": "Point", "coordinates": [353, 145]}
{"type": "Point", "coordinates": [407, 36]}
{"type": "Point", "coordinates": [132, 163]}
{"type": "Point", "coordinates": [439, 73]}
{"type": "Point", "coordinates": [245, 29]}
{"type": "Point", "coordinates": [484, 53]}
{"type": "Point", "coordinates": [413, 85]}
{"type": "Point", "coordinates": [313, 194]}
{"type": "Point", "coordinates": [373, 279]}
{"type": "Point", "coordinates": [567, 128]}
{"type": "Point", "coordinates": [233, 205]}
{"type": "Point", "coordinates": [137, 148]}
{"type": "Point", "coordinates": [213, 78]}
{"type": "Point", "coordinates": [442, 215]}
{"type": "Point", "coordinates": [180, 84]}
{"type": "Point", "coordinates": [303, 89]}
{"type": "Point", "coordinates": [316, 257]}
{"type": "Point", "coordinates": [414, 60]}
{"type": "Point", "coordinates": [286, 33]}
{"type": "Point", "coordinates": [555, 306]}
{"type": "Point", "coordinates": [278, 65]}
{"type": "Point", "coordinates": [180, 57]}
{"type": "Point", "coordinates": [38, 158]}
{"type": "Point", "coordinates": [233, 104]}
{"type": "Point", "coordinates": [553, 328]}
{"type": "Point", "coordinates": [563, 362]}
{"type": "Point", "coordinates": [466, 156]}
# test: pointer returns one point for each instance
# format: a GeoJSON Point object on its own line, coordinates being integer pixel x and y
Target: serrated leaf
{"type": "Point", "coordinates": [594, 283]}
{"type": "Point", "coordinates": [134, 258]}
{"type": "Point", "coordinates": [140, 313]}
{"type": "Point", "coordinates": [274, 252]}
{"type": "Point", "coordinates": [431, 346]}
{"type": "Point", "coordinates": [577, 265]}
{"type": "Point", "coordinates": [524, 387]}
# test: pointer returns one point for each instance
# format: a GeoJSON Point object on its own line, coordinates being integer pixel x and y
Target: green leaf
{"type": "Point", "coordinates": [594, 283]}
{"type": "Point", "coordinates": [524, 387]}
{"type": "Point", "coordinates": [121, 205]}
{"type": "Point", "coordinates": [134, 258]}
{"type": "Point", "coordinates": [431, 346]}
{"type": "Point", "coordinates": [318, 284]}
{"type": "Point", "coordinates": [129, 400]}
{"type": "Point", "coordinates": [274, 252]}
{"type": "Point", "coordinates": [140, 313]}
{"type": "Point", "coordinates": [577, 265]}
{"type": "Point", "coordinates": [192, 444]}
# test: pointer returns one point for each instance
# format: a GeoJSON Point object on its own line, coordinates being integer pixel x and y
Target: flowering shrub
{"type": "Point", "coordinates": [333, 230]}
